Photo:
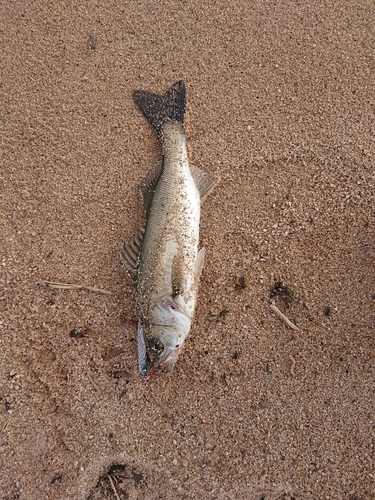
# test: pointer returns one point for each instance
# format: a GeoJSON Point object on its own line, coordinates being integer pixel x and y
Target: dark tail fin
{"type": "Point", "coordinates": [158, 109]}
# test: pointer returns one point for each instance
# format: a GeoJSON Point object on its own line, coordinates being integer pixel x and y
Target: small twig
{"type": "Point", "coordinates": [292, 365]}
{"type": "Point", "coordinates": [72, 286]}
{"type": "Point", "coordinates": [113, 487]}
{"type": "Point", "coordinates": [282, 316]}
{"type": "Point", "coordinates": [93, 384]}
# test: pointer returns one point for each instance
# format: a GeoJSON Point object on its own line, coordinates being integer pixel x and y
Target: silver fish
{"type": "Point", "coordinates": [164, 261]}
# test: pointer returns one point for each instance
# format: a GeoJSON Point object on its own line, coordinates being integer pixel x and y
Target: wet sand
{"type": "Point", "coordinates": [281, 107]}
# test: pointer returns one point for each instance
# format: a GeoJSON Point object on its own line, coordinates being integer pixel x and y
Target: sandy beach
{"type": "Point", "coordinates": [281, 107]}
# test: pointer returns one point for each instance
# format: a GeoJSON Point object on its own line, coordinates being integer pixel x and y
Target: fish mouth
{"type": "Point", "coordinates": [169, 359]}
{"type": "Point", "coordinates": [166, 364]}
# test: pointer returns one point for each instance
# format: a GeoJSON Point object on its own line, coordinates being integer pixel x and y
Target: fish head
{"type": "Point", "coordinates": [162, 356]}
{"type": "Point", "coordinates": [166, 334]}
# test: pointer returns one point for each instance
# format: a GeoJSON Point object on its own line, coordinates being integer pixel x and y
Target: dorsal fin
{"type": "Point", "coordinates": [204, 182]}
{"type": "Point", "coordinates": [148, 187]}
{"type": "Point", "coordinates": [130, 252]}
{"type": "Point", "coordinates": [177, 275]}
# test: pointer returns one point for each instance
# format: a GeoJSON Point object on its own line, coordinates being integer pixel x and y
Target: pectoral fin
{"type": "Point", "coordinates": [204, 182]}
{"type": "Point", "coordinates": [177, 276]}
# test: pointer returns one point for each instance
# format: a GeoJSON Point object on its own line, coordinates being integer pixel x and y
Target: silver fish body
{"type": "Point", "coordinates": [164, 262]}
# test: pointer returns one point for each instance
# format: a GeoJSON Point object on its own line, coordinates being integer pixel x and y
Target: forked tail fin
{"type": "Point", "coordinates": [159, 109]}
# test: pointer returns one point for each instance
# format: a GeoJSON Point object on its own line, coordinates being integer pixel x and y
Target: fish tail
{"type": "Point", "coordinates": [159, 109]}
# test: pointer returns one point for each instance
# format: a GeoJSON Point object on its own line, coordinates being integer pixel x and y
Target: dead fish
{"type": "Point", "coordinates": [163, 260]}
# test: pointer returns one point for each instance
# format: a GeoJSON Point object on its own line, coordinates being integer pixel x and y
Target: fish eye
{"type": "Point", "coordinates": [156, 345]}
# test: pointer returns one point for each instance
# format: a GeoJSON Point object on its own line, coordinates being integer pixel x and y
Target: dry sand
{"type": "Point", "coordinates": [281, 106]}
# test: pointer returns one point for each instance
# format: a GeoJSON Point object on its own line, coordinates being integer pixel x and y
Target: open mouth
{"type": "Point", "coordinates": [170, 358]}
{"type": "Point", "coordinates": [167, 363]}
